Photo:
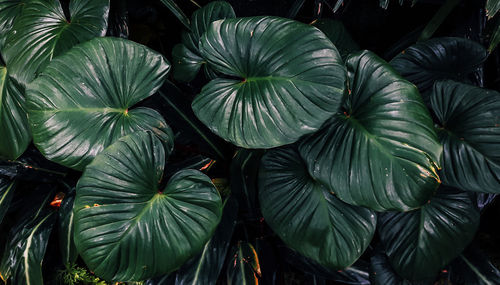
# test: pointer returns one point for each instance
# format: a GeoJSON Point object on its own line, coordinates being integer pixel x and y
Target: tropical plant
{"type": "Point", "coordinates": [277, 151]}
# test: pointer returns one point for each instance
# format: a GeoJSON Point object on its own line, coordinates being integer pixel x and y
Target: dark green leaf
{"type": "Point", "coordinates": [66, 226]}
{"type": "Point", "coordinates": [13, 121]}
{"type": "Point", "coordinates": [80, 104]}
{"type": "Point", "coordinates": [42, 32]}
{"type": "Point", "coordinates": [381, 151]}
{"type": "Point", "coordinates": [469, 119]}
{"type": "Point", "coordinates": [339, 36]}
{"type": "Point", "coordinates": [177, 12]}
{"type": "Point", "coordinates": [206, 267]}
{"type": "Point", "coordinates": [495, 39]}
{"type": "Point", "coordinates": [7, 187]}
{"type": "Point", "coordinates": [291, 79]}
{"type": "Point", "coordinates": [439, 58]}
{"type": "Point", "coordinates": [438, 19]}
{"type": "Point", "coordinates": [187, 60]}
{"type": "Point", "coordinates": [421, 242]}
{"type": "Point", "coordinates": [126, 229]}
{"type": "Point", "coordinates": [473, 267]}
{"type": "Point", "coordinates": [243, 267]}
{"type": "Point", "coordinates": [26, 245]}
{"type": "Point", "coordinates": [492, 7]}
{"type": "Point", "coordinates": [307, 216]}
{"type": "Point", "coordinates": [118, 23]}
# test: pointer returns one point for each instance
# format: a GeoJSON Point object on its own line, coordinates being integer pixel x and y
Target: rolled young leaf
{"type": "Point", "coordinates": [438, 59]}
{"type": "Point", "coordinates": [81, 103]}
{"type": "Point", "coordinates": [187, 59]}
{"type": "Point", "coordinates": [42, 32]}
{"type": "Point", "coordinates": [421, 242]}
{"type": "Point", "coordinates": [307, 216]}
{"type": "Point", "coordinates": [290, 79]}
{"type": "Point", "coordinates": [381, 150]}
{"type": "Point", "coordinates": [126, 229]}
{"type": "Point", "coordinates": [469, 129]}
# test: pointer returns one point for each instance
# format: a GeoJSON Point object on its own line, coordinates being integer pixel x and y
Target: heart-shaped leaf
{"type": "Point", "coordinates": [421, 242]}
{"type": "Point", "coordinates": [187, 59]}
{"type": "Point", "coordinates": [469, 119]}
{"type": "Point", "coordinates": [128, 230]}
{"type": "Point", "coordinates": [80, 104]}
{"type": "Point", "coordinates": [13, 121]}
{"type": "Point", "coordinates": [307, 216]}
{"type": "Point", "coordinates": [381, 151]}
{"type": "Point", "coordinates": [42, 32]}
{"type": "Point", "coordinates": [291, 79]}
{"type": "Point", "coordinates": [437, 59]}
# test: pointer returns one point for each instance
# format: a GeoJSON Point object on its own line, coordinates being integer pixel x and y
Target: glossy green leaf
{"type": "Point", "coordinates": [380, 150]}
{"type": "Point", "coordinates": [42, 32]}
{"type": "Point", "coordinates": [7, 187]}
{"type": "Point", "coordinates": [206, 267]}
{"type": "Point", "coordinates": [340, 37]}
{"type": "Point", "coordinates": [126, 229]}
{"type": "Point", "coordinates": [170, 4]}
{"type": "Point", "coordinates": [187, 59]}
{"type": "Point", "coordinates": [26, 245]}
{"type": "Point", "coordinates": [66, 227]}
{"type": "Point", "coordinates": [81, 103]}
{"type": "Point", "coordinates": [9, 11]}
{"type": "Point", "coordinates": [243, 267]}
{"type": "Point", "coordinates": [14, 125]}
{"type": "Point", "coordinates": [492, 7]}
{"type": "Point", "coordinates": [437, 59]}
{"type": "Point", "coordinates": [421, 242]}
{"type": "Point", "coordinates": [307, 216]}
{"type": "Point", "coordinates": [469, 129]}
{"type": "Point", "coordinates": [290, 79]}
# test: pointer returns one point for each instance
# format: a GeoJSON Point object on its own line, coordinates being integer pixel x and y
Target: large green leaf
{"type": "Point", "coordinates": [307, 216]}
{"type": "Point", "coordinates": [339, 36]}
{"type": "Point", "coordinates": [7, 187]}
{"type": "Point", "coordinates": [469, 129]}
{"type": "Point", "coordinates": [206, 267]}
{"type": "Point", "coordinates": [287, 79]}
{"type": "Point", "coordinates": [437, 59]}
{"type": "Point", "coordinates": [13, 121]}
{"type": "Point", "coordinates": [380, 150]}
{"type": "Point", "coordinates": [9, 11]}
{"type": "Point", "coordinates": [42, 32]}
{"type": "Point", "coordinates": [419, 243]}
{"type": "Point", "coordinates": [128, 230]}
{"type": "Point", "coordinates": [187, 59]}
{"type": "Point", "coordinates": [243, 267]}
{"type": "Point", "coordinates": [25, 248]}
{"type": "Point", "coordinates": [81, 102]}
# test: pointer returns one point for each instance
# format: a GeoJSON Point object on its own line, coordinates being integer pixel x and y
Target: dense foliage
{"type": "Point", "coordinates": [240, 147]}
